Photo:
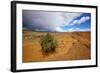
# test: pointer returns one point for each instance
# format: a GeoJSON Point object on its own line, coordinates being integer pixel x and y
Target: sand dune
{"type": "Point", "coordinates": [71, 46]}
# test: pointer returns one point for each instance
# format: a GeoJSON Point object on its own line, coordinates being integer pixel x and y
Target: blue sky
{"type": "Point", "coordinates": [56, 21]}
{"type": "Point", "coordinates": [81, 23]}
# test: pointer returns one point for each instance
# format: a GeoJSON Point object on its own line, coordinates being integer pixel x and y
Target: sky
{"type": "Point", "coordinates": [56, 21]}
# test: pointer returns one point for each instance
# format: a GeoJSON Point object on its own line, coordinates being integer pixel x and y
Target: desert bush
{"type": "Point", "coordinates": [48, 43]}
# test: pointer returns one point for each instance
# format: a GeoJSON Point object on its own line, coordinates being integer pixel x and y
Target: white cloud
{"type": "Point", "coordinates": [78, 29]}
{"type": "Point", "coordinates": [72, 29]}
{"type": "Point", "coordinates": [59, 29]}
{"type": "Point", "coordinates": [68, 17]}
{"type": "Point", "coordinates": [81, 20]}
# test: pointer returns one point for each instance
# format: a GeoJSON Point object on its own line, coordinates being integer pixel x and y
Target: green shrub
{"type": "Point", "coordinates": [48, 43]}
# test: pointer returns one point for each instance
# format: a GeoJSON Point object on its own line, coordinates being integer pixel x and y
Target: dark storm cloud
{"type": "Point", "coordinates": [47, 21]}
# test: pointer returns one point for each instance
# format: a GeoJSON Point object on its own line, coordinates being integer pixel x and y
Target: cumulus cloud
{"type": "Point", "coordinates": [59, 29]}
{"type": "Point", "coordinates": [47, 21]}
{"type": "Point", "coordinates": [69, 16]}
{"type": "Point", "coordinates": [78, 29]}
{"type": "Point", "coordinates": [81, 20]}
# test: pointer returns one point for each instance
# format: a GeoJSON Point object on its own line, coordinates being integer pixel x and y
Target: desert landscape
{"type": "Point", "coordinates": [71, 46]}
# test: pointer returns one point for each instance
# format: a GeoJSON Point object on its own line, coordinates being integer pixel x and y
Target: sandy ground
{"type": "Point", "coordinates": [71, 46]}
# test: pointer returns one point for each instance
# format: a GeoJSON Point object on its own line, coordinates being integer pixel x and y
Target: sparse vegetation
{"type": "Point", "coordinates": [48, 43]}
{"type": "Point", "coordinates": [70, 46]}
